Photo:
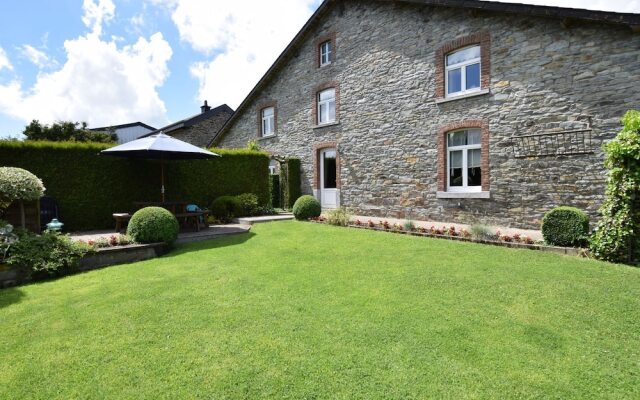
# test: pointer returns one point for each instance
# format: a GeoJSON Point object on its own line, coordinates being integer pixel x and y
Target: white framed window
{"type": "Point", "coordinates": [325, 53]}
{"type": "Point", "coordinates": [462, 71]}
{"type": "Point", "coordinates": [327, 106]}
{"type": "Point", "coordinates": [268, 121]}
{"type": "Point", "coordinates": [464, 153]}
{"type": "Point", "coordinates": [273, 166]}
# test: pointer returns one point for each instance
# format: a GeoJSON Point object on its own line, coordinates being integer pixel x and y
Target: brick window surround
{"type": "Point", "coordinates": [317, 148]}
{"type": "Point", "coordinates": [320, 88]}
{"type": "Point", "coordinates": [481, 124]}
{"type": "Point", "coordinates": [325, 38]}
{"type": "Point", "coordinates": [262, 106]}
{"type": "Point", "coordinates": [483, 39]}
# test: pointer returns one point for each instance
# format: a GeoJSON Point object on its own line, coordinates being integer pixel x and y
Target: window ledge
{"type": "Point", "coordinates": [267, 137]}
{"type": "Point", "coordinates": [462, 96]}
{"type": "Point", "coordinates": [326, 125]}
{"type": "Point", "coordinates": [463, 195]}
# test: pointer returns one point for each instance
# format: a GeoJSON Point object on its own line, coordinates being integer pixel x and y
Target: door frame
{"type": "Point", "coordinates": [318, 149]}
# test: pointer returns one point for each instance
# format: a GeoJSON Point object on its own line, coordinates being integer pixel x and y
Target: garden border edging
{"type": "Point", "coordinates": [96, 259]}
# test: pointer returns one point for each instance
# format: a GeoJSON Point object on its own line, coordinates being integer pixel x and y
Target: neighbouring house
{"type": "Point", "coordinates": [448, 110]}
{"type": "Point", "coordinates": [200, 128]}
{"type": "Point", "coordinates": [127, 132]}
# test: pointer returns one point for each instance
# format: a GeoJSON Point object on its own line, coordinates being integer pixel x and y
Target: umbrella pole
{"type": "Point", "coordinates": [162, 174]}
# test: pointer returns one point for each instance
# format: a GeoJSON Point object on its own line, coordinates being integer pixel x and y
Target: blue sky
{"type": "Point", "coordinates": [111, 62]}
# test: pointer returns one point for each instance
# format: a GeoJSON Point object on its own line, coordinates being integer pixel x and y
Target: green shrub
{"type": "Point", "coordinates": [481, 232]}
{"type": "Point", "coordinates": [565, 226]}
{"type": "Point", "coordinates": [290, 181]}
{"type": "Point", "coordinates": [50, 252]}
{"type": "Point", "coordinates": [339, 217]}
{"type": "Point", "coordinates": [617, 236]}
{"type": "Point", "coordinates": [247, 205]}
{"type": "Point", "coordinates": [89, 188]}
{"type": "Point", "coordinates": [18, 184]}
{"type": "Point", "coordinates": [306, 207]}
{"type": "Point", "coordinates": [152, 225]}
{"type": "Point", "coordinates": [276, 192]}
{"type": "Point", "coordinates": [225, 208]}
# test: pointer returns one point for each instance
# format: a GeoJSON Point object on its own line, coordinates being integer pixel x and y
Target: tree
{"type": "Point", "coordinates": [17, 184]}
{"type": "Point", "coordinates": [617, 237]}
{"type": "Point", "coordinates": [66, 131]}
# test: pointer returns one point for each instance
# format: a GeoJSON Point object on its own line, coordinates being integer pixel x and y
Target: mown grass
{"type": "Point", "coordinates": [299, 310]}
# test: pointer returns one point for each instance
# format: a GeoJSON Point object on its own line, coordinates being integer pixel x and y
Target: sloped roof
{"type": "Point", "coordinates": [561, 13]}
{"type": "Point", "coordinates": [122, 126]}
{"type": "Point", "coordinates": [187, 122]}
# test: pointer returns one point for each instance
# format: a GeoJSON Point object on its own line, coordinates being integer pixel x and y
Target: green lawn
{"type": "Point", "coordinates": [299, 310]}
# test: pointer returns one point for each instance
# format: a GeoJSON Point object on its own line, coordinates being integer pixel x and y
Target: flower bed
{"type": "Point", "coordinates": [497, 239]}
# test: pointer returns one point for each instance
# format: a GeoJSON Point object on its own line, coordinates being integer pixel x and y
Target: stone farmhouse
{"type": "Point", "coordinates": [198, 128]}
{"type": "Point", "coordinates": [448, 110]}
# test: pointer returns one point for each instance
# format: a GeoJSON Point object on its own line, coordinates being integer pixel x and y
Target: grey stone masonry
{"type": "Point", "coordinates": [200, 133]}
{"type": "Point", "coordinates": [571, 83]}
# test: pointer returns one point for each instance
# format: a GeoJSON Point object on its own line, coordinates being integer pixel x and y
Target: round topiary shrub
{"type": "Point", "coordinates": [18, 184]}
{"type": "Point", "coordinates": [224, 208]}
{"type": "Point", "coordinates": [565, 226]}
{"type": "Point", "coordinates": [306, 207]}
{"type": "Point", "coordinates": [152, 225]}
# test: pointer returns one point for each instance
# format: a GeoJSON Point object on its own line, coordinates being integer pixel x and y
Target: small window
{"type": "Point", "coordinates": [268, 121]}
{"type": "Point", "coordinates": [463, 161]}
{"type": "Point", "coordinates": [327, 106]}
{"type": "Point", "coordinates": [325, 53]}
{"type": "Point", "coordinates": [273, 167]}
{"type": "Point", "coordinates": [462, 74]}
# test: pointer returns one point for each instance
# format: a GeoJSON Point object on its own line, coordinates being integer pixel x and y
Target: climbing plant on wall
{"type": "Point", "coordinates": [617, 237]}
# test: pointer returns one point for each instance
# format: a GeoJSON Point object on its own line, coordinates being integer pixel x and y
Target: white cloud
{"type": "Point", "coordinates": [99, 82]}
{"type": "Point", "coordinates": [97, 14]}
{"type": "Point", "coordinates": [4, 60]}
{"type": "Point", "coordinates": [37, 57]}
{"type": "Point", "coordinates": [244, 36]}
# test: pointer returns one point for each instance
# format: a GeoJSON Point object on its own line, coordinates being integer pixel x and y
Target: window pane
{"type": "Point", "coordinates": [455, 168]}
{"type": "Point", "coordinates": [473, 136]}
{"type": "Point", "coordinates": [473, 158]}
{"type": "Point", "coordinates": [473, 76]}
{"type": "Point", "coordinates": [454, 81]}
{"type": "Point", "coordinates": [458, 138]}
{"type": "Point", "coordinates": [327, 94]}
{"type": "Point", "coordinates": [267, 112]}
{"type": "Point", "coordinates": [322, 112]}
{"type": "Point", "coordinates": [332, 110]}
{"type": "Point", "coordinates": [474, 173]}
{"type": "Point", "coordinates": [463, 55]}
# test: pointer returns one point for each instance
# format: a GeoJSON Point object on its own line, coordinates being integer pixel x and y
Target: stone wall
{"type": "Point", "coordinates": [543, 78]}
{"type": "Point", "coordinates": [201, 133]}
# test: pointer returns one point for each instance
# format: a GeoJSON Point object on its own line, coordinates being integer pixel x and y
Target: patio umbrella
{"type": "Point", "coordinates": [159, 147]}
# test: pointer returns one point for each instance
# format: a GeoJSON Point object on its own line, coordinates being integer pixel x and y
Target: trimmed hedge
{"type": "Point", "coordinates": [152, 225]}
{"type": "Point", "coordinates": [89, 188]}
{"type": "Point", "coordinates": [565, 226]}
{"type": "Point", "coordinates": [290, 182]}
{"type": "Point", "coordinates": [306, 207]}
{"type": "Point", "coordinates": [276, 194]}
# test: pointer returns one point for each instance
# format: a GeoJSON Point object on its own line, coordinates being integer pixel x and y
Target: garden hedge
{"type": "Point", "coordinates": [290, 181]}
{"type": "Point", "coordinates": [90, 187]}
